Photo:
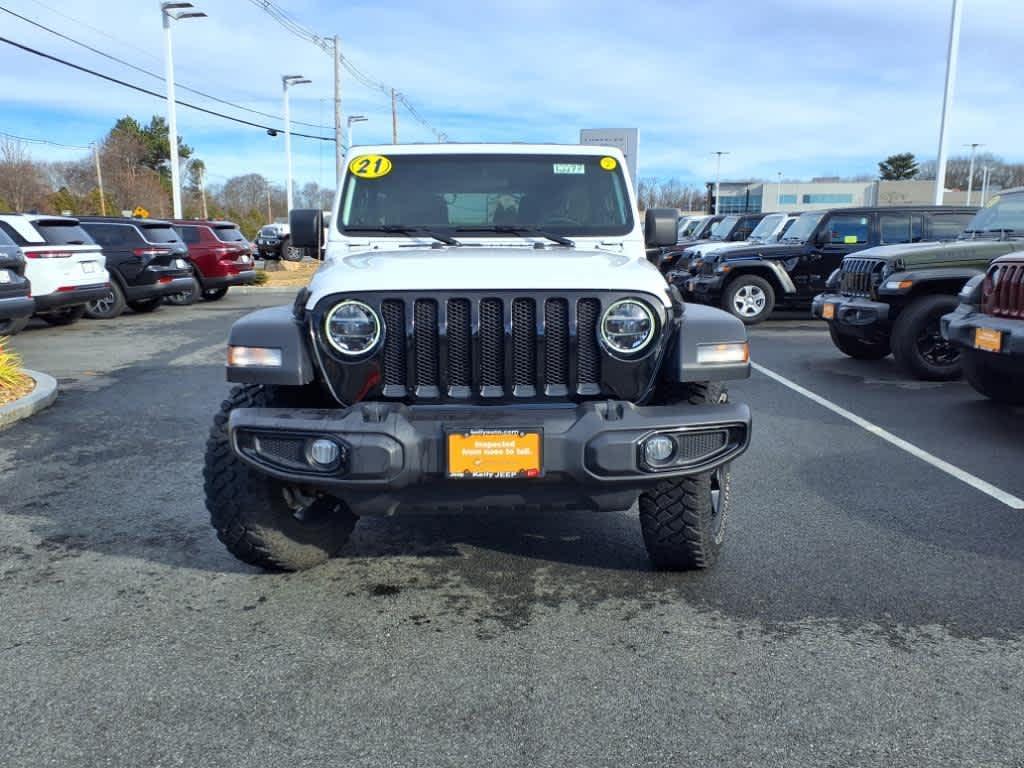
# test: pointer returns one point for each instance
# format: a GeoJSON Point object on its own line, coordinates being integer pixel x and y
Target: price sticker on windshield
{"type": "Point", "coordinates": [370, 166]}
{"type": "Point", "coordinates": [570, 168]}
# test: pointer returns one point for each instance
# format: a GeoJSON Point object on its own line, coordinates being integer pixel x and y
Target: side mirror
{"type": "Point", "coordinates": [307, 228]}
{"type": "Point", "coordinates": [661, 226]}
{"type": "Point", "coordinates": [823, 238]}
{"type": "Point", "coordinates": [656, 256]}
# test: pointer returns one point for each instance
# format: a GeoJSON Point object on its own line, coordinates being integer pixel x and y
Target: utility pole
{"type": "Point", "coordinates": [99, 178]}
{"type": "Point", "coordinates": [339, 150]}
{"type": "Point", "coordinates": [394, 118]}
{"type": "Point", "coordinates": [175, 11]}
{"type": "Point", "coordinates": [778, 193]}
{"type": "Point", "coordinates": [970, 173]}
{"type": "Point", "coordinates": [270, 213]}
{"type": "Point", "coordinates": [947, 100]}
{"type": "Point", "coordinates": [202, 191]}
{"type": "Point", "coordinates": [718, 176]}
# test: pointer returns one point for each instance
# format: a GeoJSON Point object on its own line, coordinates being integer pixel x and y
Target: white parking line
{"type": "Point", "coordinates": [977, 483]}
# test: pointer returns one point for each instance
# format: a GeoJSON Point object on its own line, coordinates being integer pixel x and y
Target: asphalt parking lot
{"type": "Point", "coordinates": [867, 610]}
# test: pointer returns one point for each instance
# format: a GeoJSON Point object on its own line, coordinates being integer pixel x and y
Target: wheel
{"type": "Point", "coordinates": [994, 381]}
{"type": "Point", "coordinates": [291, 254]}
{"type": "Point", "coordinates": [215, 294]}
{"type": "Point", "coordinates": [142, 306]}
{"type": "Point", "coordinates": [109, 307]}
{"type": "Point", "coordinates": [858, 348]}
{"type": "Point", "coordinates": [683, 520]}
{"type": "Point", "coordinates": [66, 316]}
{"type": "Point", "coordinates": [750, 298]}
{"type": "Point", "coordinates": [917, 342]}
{"type": "Point", "coordinates": [260, 520]}
{"type": "Point", "coordinates": [186, 297]}
{"type": "Point", "coordinates": [13, 325]}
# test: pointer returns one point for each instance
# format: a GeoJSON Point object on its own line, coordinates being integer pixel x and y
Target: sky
{"type": "Point", "coordinates": [802, 87]}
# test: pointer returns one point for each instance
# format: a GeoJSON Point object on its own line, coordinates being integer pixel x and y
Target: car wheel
{"type": "Point", "coordinates": [142, 306]}
{"type": "Point", "coordinates": [13, 325]}
{"type": "Point", "coordinates": [1001, 383]}
{"type": "Point", "coordinates": [683, 520]}
{"type": "Point", "coordinates": [66, 316]}
{"type": "Point", "coordinates": [291, 254]}
{"type": "Point", "coordinates": [917, 342]}
{"type": "Point", "coordinates": [186, 297]}
{"type": "Point", "coordinates": [215, 294]}
{"type": "Point", "coordinates": [750, 298]}
{"type": "Point", "coordinates": [108, 307]}
{"type": "Point", "coordinates": [858, 348]}
{"type": "Point", "coordinates": [260, 520]}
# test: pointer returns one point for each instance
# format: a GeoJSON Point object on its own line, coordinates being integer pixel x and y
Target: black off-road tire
{"type": "Point", "coordinates": [759, 288]}
{"type": "Point", "coordinates": [13, 325]}
{"type": "Point", "coordinates": [248, 509]}
{"type": "Point", "coordinates": [66, 316]}
{"type": "Point", "coordinates": [291, 254]}
{"type": "Point", "coordinates": [989, 377]}
{"type": "Point", "coordinates": [916, 328]}
{"type": "Point", "coordinates": [215, 294]}
{"type": "Point", "coordinates": [683, 520]}
{"type": "Point", "coordinates": [142, 306]}
{"type": "Point", "coordinates": [858, 348]}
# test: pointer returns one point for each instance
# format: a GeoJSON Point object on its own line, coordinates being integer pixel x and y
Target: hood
{"type": "Point", "coordinates": [768, 251]}
{"type": "Point", "coordinates": [469, 268]}
{"type": "Point", "coordinates": [952, 253]}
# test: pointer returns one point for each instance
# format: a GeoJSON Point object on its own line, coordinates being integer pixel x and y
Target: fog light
{"type": "Point", "coordinates": [659, 449]}
{"type": "Point", "coordinates": [324, 452]}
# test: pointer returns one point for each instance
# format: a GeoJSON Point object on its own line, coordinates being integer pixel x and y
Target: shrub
{"type": "Point", "coordinates": [13, 381]}
{"type": "Point", "coordinates": [261, 276]}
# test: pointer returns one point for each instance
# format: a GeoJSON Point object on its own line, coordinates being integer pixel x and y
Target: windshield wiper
{"type": "Point", "coordinates": [523, 232]}
{"type": "Point", "coordinates": [400, 230]}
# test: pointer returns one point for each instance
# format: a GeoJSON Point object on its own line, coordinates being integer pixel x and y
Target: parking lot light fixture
{"type": "Point", "coordinates": [174, 12]}
{"type": "Point", "coordinates": [970, 172]}
{"type": "Point", "coordinates": [286, 82]}
{"type": "Point", "coordinates": [353, 119]}
{"type": "Point", "coordinates": [947, 99]}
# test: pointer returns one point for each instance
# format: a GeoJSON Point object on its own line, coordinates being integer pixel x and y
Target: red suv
{"type": "Point", "coordinates": [220, 257]}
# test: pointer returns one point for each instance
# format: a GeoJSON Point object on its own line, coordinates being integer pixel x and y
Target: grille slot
{"type": "Point", "coordinates": [425, 343]}
{"type": "Point", "coordinates": [1003, 291]}
{"type": "Point", "coordinates": [589, 362]}
{"type": "Point", "coordinates": [860, 277]}
{"type": "Point", "coordinates": [492, 348]}
{"type": "Point", "coordinates": [460, 351]}
{"type": "Point", "coordinates": [524, 347]}
{"type": "Point", "coordinates": [700, 444]}
{"type": "Point", "coordinates": [556, 346]}
{"type": "Point", "coordinates": [394, 347]}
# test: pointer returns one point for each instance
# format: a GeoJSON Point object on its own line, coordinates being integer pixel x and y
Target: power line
{"type": "Point", "coordinates": [29, 140]}
{"type": "Point", "coordinates": [140, 89]}
{"type": "Point", "coordinates": [146, 71]}
{"type": "Point", "coordinates": [290, 23]}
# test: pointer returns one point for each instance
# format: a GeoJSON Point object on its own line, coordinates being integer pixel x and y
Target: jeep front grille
{"type": "Point", "coordinates": [860, 277]}
{"type": "Point", "coordinates": [1003, 290]}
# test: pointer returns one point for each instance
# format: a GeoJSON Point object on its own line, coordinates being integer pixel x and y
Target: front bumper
{"type": "Point", "coordinates": [856, 316]}
{"type": "Point", "coordinates": [705, 289]}
{"type": "Point", "coordinates": [961, 325]}
{"type": "Point", "coordinates": [396, 455]}
{"type": "Point", "coordinates": [244, 277]}
{"type": "Point", "coordinates": [82, 294]}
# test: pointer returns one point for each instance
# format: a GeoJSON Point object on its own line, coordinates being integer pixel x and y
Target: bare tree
{"type": "Point", "coordinates": [22, 185]}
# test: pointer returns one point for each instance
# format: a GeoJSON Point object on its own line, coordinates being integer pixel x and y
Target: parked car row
{"type": "Point", "coordinates": [60, 268]}
{"type": "Point", "coordinates": [940, 288]}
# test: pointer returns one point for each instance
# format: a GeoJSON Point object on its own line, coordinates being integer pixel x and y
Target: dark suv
{"type": "Point", "coordinates": [146, 260]}
{"type": "Point", "coordinates": [750, 282]}
{"type": "Point", "coordinates": [16, 302]}
{"type": "Point", "coordinates": [220, 257]}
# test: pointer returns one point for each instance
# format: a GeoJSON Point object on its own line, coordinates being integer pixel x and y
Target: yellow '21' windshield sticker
{"type": "Point", "coordinates": [609, 163]}
{"type": "Point", "coordinates": [370, 166]}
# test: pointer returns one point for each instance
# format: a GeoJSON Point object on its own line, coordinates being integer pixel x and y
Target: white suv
{"type": "Point", "coordinates": [66, 268]}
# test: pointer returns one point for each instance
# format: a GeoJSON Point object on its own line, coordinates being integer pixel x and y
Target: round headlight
{"type": "Point", "coordinates": [627, 326]}
{"type": "Point", "coordinates": [352, 327]}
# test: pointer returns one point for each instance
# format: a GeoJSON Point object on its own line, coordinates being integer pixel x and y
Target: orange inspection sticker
{"type": "Point", "coordinates": [494, 454]}
{"type": "Point", "coordinates": [828, 311]}
{"type": "Point", "coordinates": [988, 339]}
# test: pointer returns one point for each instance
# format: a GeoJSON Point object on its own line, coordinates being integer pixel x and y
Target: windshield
{"type": "Point", "coordinates": [690, 227]}
{"type": "Point", "coordinates": [583, 195]}
{"type": "Point", "coordinates": [768, 224]}
{"type": "Point", "coordinates": [1003, 213]}
{"type": "Point", "coordinates": [724, 227]}
{"type": "Point", "coordinates": [228, 234]}
{"type": "Point", "coordinates": [269, 231]}
{"type": "Point", "coordinates": [62, 232]}
{"type": "Point", "coordinates": [802, 228]}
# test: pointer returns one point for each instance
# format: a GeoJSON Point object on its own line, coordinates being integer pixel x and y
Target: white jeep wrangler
{"type": "Point", "coordinates": [486, 332]}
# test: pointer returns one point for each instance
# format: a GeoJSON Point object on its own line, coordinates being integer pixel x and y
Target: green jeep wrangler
{"type": "Point", "coordinates": [891, 299]}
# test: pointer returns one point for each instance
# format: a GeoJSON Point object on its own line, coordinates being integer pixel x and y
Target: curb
{"type": "Point", "coordinates": [39, 398]}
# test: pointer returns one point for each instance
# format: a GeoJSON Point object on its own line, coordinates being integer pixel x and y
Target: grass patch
{"type": "Point", "coordinates": [261, 276]}
{"type": "Point", "coordinates": [291, 274]}
{"type": "Point", "coordinates": [14, 383]}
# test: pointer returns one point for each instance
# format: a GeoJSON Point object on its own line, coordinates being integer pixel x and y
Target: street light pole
{"type": "Point", "coordinates": [168, 12]}
{"type": "Point", "coordinates": [353, 119]}
{"type": "Point", "coordinates": [970, 173]}
{"type": "Point", "coordinates": [985, 170]}
{"type": "Point", "coordinates": [339, 150]}
{"type": "Point", "coordinates": [947, 100]}
{"type": "Point", "coordinates": [718, 176]}
{"type": "Point", "coordinates": [778, 193]}
{"type": "Point", "coordinates": [286, 81]}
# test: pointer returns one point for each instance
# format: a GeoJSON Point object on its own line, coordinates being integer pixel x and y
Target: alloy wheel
{"type": "Point", "coordinates": [749, 301]}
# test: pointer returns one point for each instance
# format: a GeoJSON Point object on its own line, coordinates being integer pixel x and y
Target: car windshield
{"type": "Point", "coordinates": [724, 227]}
{"type": "Point", "coordinates": [1002, 214]}
{"type": "Point", "coordinates": [160, 233]}
{"type": "Point", "coordinates": [57, 232]}
{"type": "Point", "coordinates": [581, 195]}
{"type": "Point", "coordinates": [228, 234]}
{"type": "Point", "coordinates": [802, 228]}
{"type": "Point", "coordinates": [269, 231]}
{"type": "Point", "coordinates": [767, 226]}
{"type": "Point", "coordinates": [690, 227]}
